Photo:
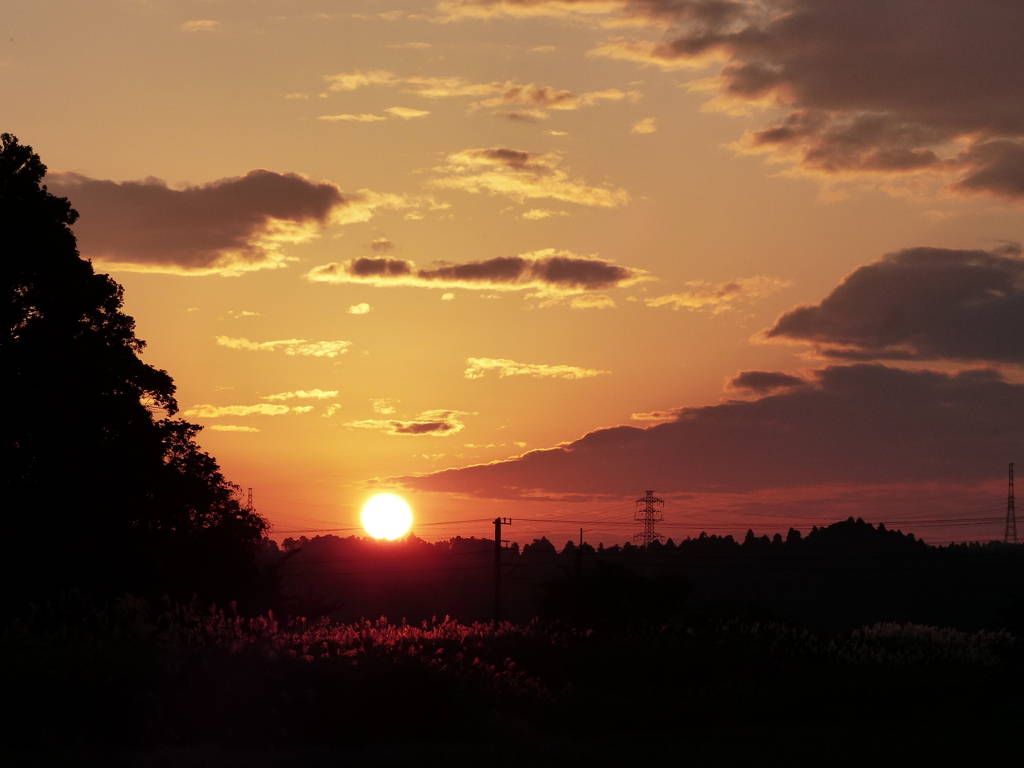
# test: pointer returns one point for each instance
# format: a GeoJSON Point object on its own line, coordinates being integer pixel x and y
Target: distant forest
{"type": "Point", "coordinates": [841, 576]}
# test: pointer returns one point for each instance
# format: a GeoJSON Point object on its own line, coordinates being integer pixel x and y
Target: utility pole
{"type": "Point", "coordinates": [1010, 537]}
{"type": "Point", "coordinates": [498, 522]}
{"type": "Point", "coordinates": [579, 557]}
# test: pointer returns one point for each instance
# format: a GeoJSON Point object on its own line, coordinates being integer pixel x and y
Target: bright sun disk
{"type": "Point", "coordinates": [386, 517]}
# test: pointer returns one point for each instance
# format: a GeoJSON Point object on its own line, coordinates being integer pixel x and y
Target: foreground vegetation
{"type": "Point", "coordinates": [129, 678]}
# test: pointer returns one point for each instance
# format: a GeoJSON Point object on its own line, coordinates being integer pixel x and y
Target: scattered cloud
{"type": "Point", "coordinates": [917, 94]}
{"type": "Point", "coordinates": [541, 213]}
{"type": "Point", "coordinates": [406, 113]}
{"type": "Point", "coordinates": [862, 424]}
{"type": "Point", "coordinates": [300, 347]}
{"type": "Point", "coordinates": [919, 304]}
{"type": "Point", "coordinates": [382, 245]}
{"type": "Point", "coordinates": [522, 175]}
{"type": "Point", "coordinates": [225, 227]}
{"type": "Point", "coordinates": [549, 271]}
{"type": "Point", "coordinates": [438, 423]}
{"type": "Point", "coordinates": [500, 98]}
{"type": "Point", "coordinates": [302, 394]}
{"type": "Point", "coordinates": [200, 25]}
{"type": "Point", "coordinates": [644, 126]}
{"type": "Point", "coordinates": [231, 428]}
{"type": "Point", "coordinates": [763, 382]}
{"type": "Point", "coordinates": [330, 410]}
{"type": "Point", "coordinates": [361, 118]}
{"type": "Point", "coordinates": [592, 301]}
{"type": "Point", "coordinates": [448, 297]}
{"type": "Point", "coordinates": [359, 309]}
{"type": "Point", "coordinates": [207, 411]}
{"type": "Point", "coordinates": [706, 297]}
{"type": "Point", "coordinates": [478, 367]}
{"type": "Point", "coordinates": [384, 405]}
{"type": "Point", "coordinates": [669, 415]}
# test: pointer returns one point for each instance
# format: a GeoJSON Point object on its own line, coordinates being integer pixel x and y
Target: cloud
{"type": "Point", "coordinates": [669, 415]}
{"type": "Point", "coordinates": [225, 227]}
{"type": "Point", "coordinates": [886, 88]}
{"type": "Point", "coordinates": [448, 297]}
{"type": "Point", "coordinates": [384, 405]}
{"type": "Point", "coordinates": [919, 304]}
{"type": "Point", "coordinates": [231, 428]}
{"type": "Point", "coordinates": [382, 245]}
{"type": "Point", "coordinates": [506, 97]}
{"type": "Point", "coordinates": [862, 424]}
{"type": "Point", "coordinates": [478, 367]}
{"type": "Point", "coordinates": [406, 113]}
{"type": "Point", "coordinates": [207, 411]}
{"type": "Point", "coordinates": [452, 10]}
{"type": "Point", "coordinates": [437, 423]}
{"type": "Point", "coordinates": [716, 299]}
{"type": "Point", "coordinates": [763, 382]}
{"type": "Point", "coordinates": [359, 309]}
{"type": "Point", "coordinates": [897, 90]}
{"type": "Point", "coordinates": [550, 271]}
{"type": "Point", "coordinates": [302, 394]}
{"type": "Point", "coordinates": [299, 347]}
{"type": "Point", "coordinates": [522, 175]}
{"type": "Point", "coordinates": [592, 301]}
{"type": "Point", "coordinates": [200, 25]}
{"type": "Point", "coordinates": [362, 118]}
{"type": "Point", "coordinates": [644, 126]}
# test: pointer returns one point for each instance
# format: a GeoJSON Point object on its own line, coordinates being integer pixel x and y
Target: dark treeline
{"type": "Point", "coordinates": [837, 577]}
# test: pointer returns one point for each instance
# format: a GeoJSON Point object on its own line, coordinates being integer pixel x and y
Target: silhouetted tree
{"type": "Point", "coordinates": [106, 486]}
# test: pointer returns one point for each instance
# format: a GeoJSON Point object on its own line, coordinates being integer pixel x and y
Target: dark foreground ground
{"type": "Point", "coordinates": [125, 685]}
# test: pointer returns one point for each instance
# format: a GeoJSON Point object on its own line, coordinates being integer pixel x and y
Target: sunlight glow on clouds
{"type": "Point", "coordinates": [290, 346]}
{"type": "Point", "coordinates": [554, 272]}
{"type": "Point", "coordinates": [315, 394]}
{"type": "Point", "coordinates": [478, 367]}
{"type": "Point", "coordinates": [706, 297]}
{"type": "Point", "coordinates": [225, 227]}
{"type": "Point", "coordinates": [439, 423]}
{"type": "Point", "coordinates": [207, 411]}
{"type": "Point", "coordinates": [522, 175]}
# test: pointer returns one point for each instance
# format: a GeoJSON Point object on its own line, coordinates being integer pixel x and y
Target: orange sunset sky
{"type": "Point", "coordinates": [534, 257]}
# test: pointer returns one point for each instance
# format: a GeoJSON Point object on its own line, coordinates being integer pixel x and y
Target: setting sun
{"type": "Point", "coordinates": [386, 517]}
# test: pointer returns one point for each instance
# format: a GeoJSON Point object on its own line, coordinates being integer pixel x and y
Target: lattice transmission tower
{"type": "Point", "coordinates": [649, 510]}
{"type": "Point", "coordinates": [1011, 514]}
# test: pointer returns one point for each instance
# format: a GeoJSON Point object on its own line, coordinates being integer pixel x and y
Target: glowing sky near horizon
{"type": "Point", "coordinates": [379, 242]}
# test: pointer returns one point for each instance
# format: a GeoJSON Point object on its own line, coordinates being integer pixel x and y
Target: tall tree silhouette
{"type": "Point", "coordinates": [97, 476]}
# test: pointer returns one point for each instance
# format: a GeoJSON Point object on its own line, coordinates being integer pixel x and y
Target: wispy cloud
{"type": "Point", "coordinates": [207, 411]}
{"type": "Point", "coordinates": [478, 367]}
{"type": "Point", "coordinates": [359, 309]}
{"type": "Point", "coordinates": [522, 175]}
{"type": "Point", "coordinates": [512, 99]}
{"type": "Point", "coordinates": [231, 428]}
{"type": "Point", "coordinates": [707, 297]}
{"type": "Point", "coordinates": [361, 118]}
{"type": "Point", "coordinates": [647, 125]}
{"type": "Point", "coordinates": [300, 347]}
{"type": "Point", "coordinates": [549, 271]}
{"type": "Point", "coordinates": [200, 25]}
{"type": "Point", "coordinates": [302, 394]}
{"type": "Point", "coordinates": [406, 113]}
{"type": "Point", "coordinates": [439, 423]}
